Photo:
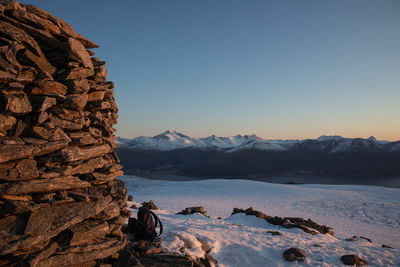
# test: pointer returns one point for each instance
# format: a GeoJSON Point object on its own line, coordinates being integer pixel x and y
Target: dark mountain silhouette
{"type": "Point", "coordinates": [302, 160]}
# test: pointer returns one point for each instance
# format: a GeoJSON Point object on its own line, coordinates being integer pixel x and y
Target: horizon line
{"type": "Point", "coordinates": [266, 139]}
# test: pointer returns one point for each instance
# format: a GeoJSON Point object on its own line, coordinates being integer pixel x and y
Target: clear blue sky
{"type": "Point", "coordinates": [279, 69]}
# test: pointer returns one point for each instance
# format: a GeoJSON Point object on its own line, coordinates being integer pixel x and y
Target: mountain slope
{"type": "Point", "coordinates": [172, 140]}
{"type": "Point", "coordinates": [367, 161]}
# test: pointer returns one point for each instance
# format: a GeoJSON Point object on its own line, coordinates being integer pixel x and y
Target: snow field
{"type": "Point", "coordinates": [241, 240]}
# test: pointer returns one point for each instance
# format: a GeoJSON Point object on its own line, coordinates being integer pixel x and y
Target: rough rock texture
{"type": "Point", "coordinates": [308, 226]}
{"type": "Point", "coordinates": [168, 260]}
{"type": "Point", "coordinates": [60, 201]}
{"type": "Point", "coordinates": [294, 254]}
{"type": "Point", "coordinates": [145, 253]}
{"type": "Point", "coordinates": [274, 233]}
{"type": "Point", "coordinates": [356, 238]}
{"type": "Point", "coordinates": [149, 205]}
{"type": "Point", "coordinates": [193, 210]}
{"type": "Point", "coordinates": [353, 260]}
{"type": "Point", "coordinates": [145, 247]}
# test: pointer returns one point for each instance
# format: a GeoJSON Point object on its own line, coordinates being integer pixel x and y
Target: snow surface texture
{"type": "Point", "coordinates": [171, 140]}
{"type": "Point", "coordinates": [240, 240]}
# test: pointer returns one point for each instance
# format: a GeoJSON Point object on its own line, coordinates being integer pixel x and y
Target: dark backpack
{"type": "Point", "coordinates": [144, 227]}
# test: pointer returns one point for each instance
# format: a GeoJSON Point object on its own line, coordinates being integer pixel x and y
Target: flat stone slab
{"type": "Point", "coordinates": [75, 153]}
{"type": "Point", "coordinates": [13, 152]}
{"type": "Point", "coordinates": [42, 185]}
{"type": "Point", "coordinates": [45, 223]}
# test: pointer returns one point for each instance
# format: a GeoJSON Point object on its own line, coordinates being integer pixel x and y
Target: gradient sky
{"type": "Point", "coordinates": [279, 69]}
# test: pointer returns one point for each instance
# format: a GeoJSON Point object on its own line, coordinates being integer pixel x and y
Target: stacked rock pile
{"type": "Point", "coordinates": [60, 201]}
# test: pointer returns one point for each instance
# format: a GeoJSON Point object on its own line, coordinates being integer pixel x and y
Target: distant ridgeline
{"type": "Point", "coordinates": [60, 202]}
{"type": "Point", "coordinates": [250, 156]}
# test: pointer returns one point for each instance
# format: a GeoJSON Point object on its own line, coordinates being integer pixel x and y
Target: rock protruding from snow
{"type": "Point", "coordinates": [145, 247]}
{"type": "Point", "coordinates": [168, 260]}
{"type": "Point", "coordinates": [357, 238]}
{"type": "Point", "coordinates": [294, 254]}
{"type": "Point", "coordinates": [149, 205]}
{"type": "Point", "coordinates": [307, 226]}
{"type": "Point", "coordinates": [353, 260]}
{"type": "Point", "coordinates": [193, 210]}
{"type": "Point", "coordinates": [274, 232]}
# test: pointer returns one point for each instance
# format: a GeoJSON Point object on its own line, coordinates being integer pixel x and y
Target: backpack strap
{"type": "Point", "coordinates": [156, 219]}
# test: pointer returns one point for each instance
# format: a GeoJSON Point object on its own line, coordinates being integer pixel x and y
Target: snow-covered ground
{"type": "Point", "coordinates": [240, 240]}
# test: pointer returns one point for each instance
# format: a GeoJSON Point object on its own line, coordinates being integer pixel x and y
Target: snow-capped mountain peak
{"type": "Point", "coordinates": [169, 132]}
{"type": "Point", "coordinates": [329, 138]}
{"type": "Point", "coordinates": [172, 140]}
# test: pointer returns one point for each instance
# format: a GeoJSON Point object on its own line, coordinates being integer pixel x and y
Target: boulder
{"type": "Point", "coordinates": [20, 128]}
{"type": "Point", "coordinates": [66, 124]}
{"type": "Point", "coordinates": [42, 103]}
{"type": "Point", "coordinates": [144, 247]}
{"type": "Point", "coordinates": [6, 123]}
{"type": "Point", "coordinates": [307, 226]}
{"type": "Point", "coordinates": [49, 87]}
{"type": "Point", "coordinates": [42, 185]}
{"type": "Point", "coordinates": [40, 62]}
{"type": "Point", "coordinates": [17, 104]}
{"type": "Point", "coordinates": [204, 244]}
{"type": "Point", "coordinates": [274, 232]}
{"type": "Point", "coordinates": [87, 166]}
{"type": "Point", "coordinates": [164, 259]}
{"type": "Point", "coordinates": [87, 230]}
{"type": "Point", "coordinates": [82, 138]}
{"type": "Point", "coordinates": [149, 205]}
{"type": "Point", "coordinates": [42, 132]}
{"type": "Point", "coordinates": [19, 170]}
{"type": "Point", "coordinates": [357, 238]}
{"type": "Point", "coordinates": [127, 257]}
{"type": "Point", "coordinates": [353, 260]}
{"type": "Point", "coordinates": [96, 96]}
{"type": "Point", "coordinates": [79, 53]}
{"type": "Point", "coordinates": [76, 102]}
{"type": "Point", "coordinates": [78, 86]}
{"type": "Point", "coordinates": [13, 152]}
{"type": "Point", "coordinates": [294, 254]}
{"type": "Point", "coordinates": [193, 210]}
{"type": "Point", "coordinates": [76, 153]}
{"type": "Point", "coordinates": [42, 117]}
{"type": "Point", "coordinates": [77, 258]}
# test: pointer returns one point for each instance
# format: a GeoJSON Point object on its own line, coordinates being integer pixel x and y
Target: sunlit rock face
{"type": "Point", "coordinates": [60, 201]}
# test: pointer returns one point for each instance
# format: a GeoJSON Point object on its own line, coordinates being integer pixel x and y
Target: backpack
{"type": "Point", "coordinates": [144, 227]}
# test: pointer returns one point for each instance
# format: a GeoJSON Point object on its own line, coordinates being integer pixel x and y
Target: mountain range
{"type": "Point", "coordinates": [347, 160]}
{"type": "Point", "coordinates": [172, 140]}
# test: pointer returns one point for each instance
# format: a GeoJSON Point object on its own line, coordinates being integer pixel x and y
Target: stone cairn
{"type": "Point", "coordinates": [61, 204]}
